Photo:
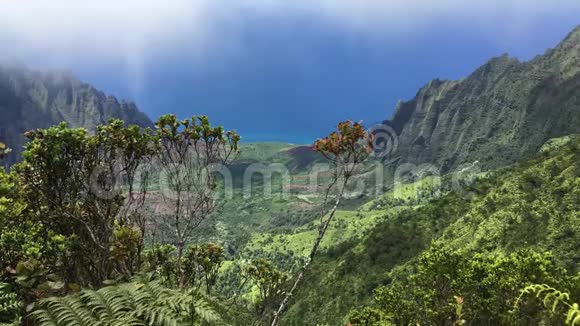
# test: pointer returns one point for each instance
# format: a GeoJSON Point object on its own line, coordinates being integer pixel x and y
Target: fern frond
{"type": "Point", "coordinates": [10, 306]}
{"type": "Point", "coordinates": [136, 303]}
{"type": "Point", "coordinates": [573, 316]}
{"type": "Point", "coordinates": [551, 298]}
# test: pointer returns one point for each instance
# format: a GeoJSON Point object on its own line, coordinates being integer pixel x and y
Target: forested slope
{"type": "Point", "coordinates": [532, 205]}
{"type": "Point", "coordinates": [502, 112]}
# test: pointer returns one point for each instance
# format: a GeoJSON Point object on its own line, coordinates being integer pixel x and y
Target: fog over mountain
{"type": "Point", "coordinates": [289, 69]}
{"type": "Point", "coordinates": [32, 99]}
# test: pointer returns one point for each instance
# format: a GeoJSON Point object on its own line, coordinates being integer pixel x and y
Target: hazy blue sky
{"type": "Point", "coordinates": [275, 70]}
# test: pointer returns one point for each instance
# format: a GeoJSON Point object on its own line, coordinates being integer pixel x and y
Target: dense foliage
{"type": "Point", "coordinates": [496, 251]}
{"type": "Point", "coordinates": [75, 214]}
{"type": "Point", "coordinates": [486, 286]}
{"type": "Point", "coordinates": [531, 206]}
{"type": "Point", "coordinates": [71, 180]}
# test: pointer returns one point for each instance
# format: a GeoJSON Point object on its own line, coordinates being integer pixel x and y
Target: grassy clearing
{"type": "Point", "coordinates": [346, 225]}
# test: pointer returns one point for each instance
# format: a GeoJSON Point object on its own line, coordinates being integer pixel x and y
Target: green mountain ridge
{"type": "Point", "coordinates": [504, 111]}
{"type": "Point", "coordinates": [30, 100]}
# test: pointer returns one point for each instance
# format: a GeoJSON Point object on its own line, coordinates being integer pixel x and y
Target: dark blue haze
{"type": "Point", "coordinates": [293, 79]}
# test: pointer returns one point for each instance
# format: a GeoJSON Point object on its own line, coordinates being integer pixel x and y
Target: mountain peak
{"type": "Point", "coordinates": [31, 99]}
{"type": "Point", "coordinates": [575, 31]}
{"type": "Point", "coordinates": [504, 110]}
{"type": "Point", "coordinates": [565, 57]}
{"type": "Point", "coordinates": [572, 39]}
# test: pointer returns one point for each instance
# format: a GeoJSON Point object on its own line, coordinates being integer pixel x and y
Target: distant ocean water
{"type": "Point", "coordinates": [278, 138]}
{"type": "Point", "coordinates": [298, 138]}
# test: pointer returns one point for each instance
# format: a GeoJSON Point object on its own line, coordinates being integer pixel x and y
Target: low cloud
{"type": "Point", "coordinates": [131, 31]}
{"type": "Point", "coordinates": [101, 28]}
{"type": "Point", "coordinates": [112, 26]}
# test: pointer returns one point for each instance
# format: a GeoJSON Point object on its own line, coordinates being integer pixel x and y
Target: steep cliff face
{"type": "Point", "coordinates": [502, 112]}
{"type": "Point", "coordinates": [30, 100]}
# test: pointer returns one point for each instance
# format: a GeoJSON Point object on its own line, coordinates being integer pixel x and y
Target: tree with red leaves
{"type": "Point", "coordinates": [346, 149]}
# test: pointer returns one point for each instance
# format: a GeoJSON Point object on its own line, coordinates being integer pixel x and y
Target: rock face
{"type": "Point", "coordinates": [30, 100]}
{"type": "Point", "coordinates": [502, 112]}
